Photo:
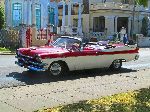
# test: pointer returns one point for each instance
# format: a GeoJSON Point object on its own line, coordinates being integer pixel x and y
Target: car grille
{"type": "Point", "coordinates": [28, 61]}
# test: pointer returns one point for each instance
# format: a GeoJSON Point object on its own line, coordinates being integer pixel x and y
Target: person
{"type": "Point", "coordinates": [125, 39]}
{"type": "Point", "coordinates": [123, 35]}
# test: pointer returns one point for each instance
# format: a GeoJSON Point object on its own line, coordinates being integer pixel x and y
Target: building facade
{"type": "Point", "coordinates": [110, 16]}
{"type": "Point", "coordinates": [103, 17]}
{"type": "Point", "coordinates": [31, 12]}
{"type": "Point", "coordinates": [70, 17]}
{"type": "Point", "coordinates": [79, 17]}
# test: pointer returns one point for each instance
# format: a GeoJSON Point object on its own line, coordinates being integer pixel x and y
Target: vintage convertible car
{"type": "Point", "coordinates": [70, 53]}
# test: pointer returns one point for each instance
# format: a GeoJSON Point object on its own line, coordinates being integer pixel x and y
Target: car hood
{"type": "Point", "coordinates": [32, 51]}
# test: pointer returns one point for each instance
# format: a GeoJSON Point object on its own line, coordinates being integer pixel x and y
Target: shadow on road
{"type": "Point", "coordinates": [31, 78]}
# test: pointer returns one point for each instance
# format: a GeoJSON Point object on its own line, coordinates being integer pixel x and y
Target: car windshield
{"type": "Point", "coordinates": [66, 42]}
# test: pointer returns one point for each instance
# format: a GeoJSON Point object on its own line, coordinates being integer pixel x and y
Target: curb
{"type": "Point", "coordinates": [144, 49]}
{"type": "Point", "coordinates": [7, 53]}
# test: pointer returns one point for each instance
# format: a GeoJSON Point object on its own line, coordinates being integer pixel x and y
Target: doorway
{"type": "Point", "coordinates": [122, 22]}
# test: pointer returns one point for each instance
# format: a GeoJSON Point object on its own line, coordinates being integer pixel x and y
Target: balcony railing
{"type": "Point", "coordinates": [115, 6]}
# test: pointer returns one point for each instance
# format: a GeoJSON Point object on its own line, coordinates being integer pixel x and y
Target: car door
{"type": "Point", "coordinates": [93, 59]}
{"type": "Point", "coordinates": [85, 59]}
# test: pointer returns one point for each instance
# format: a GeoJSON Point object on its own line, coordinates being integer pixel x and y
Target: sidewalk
{"type": "Point", "coordinates": [4, 107]}
{"type": "Point", "coordinates": [33, 97]}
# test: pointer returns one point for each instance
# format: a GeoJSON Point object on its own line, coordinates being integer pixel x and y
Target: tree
{"type": "Point", "coordinates": [142, 2]}
{"type": "Point", "coordinates": [144, 29]}
{"type": "Point", "coordinates": [1, 17]}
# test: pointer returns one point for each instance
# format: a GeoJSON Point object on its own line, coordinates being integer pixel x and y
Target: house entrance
{"type": "Point", "coordinates": [122, 22]}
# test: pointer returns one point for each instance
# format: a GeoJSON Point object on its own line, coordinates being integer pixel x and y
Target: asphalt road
{"type": "Point", "coordinates": [11, 75]}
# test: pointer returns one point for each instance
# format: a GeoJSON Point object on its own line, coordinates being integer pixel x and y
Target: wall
{"type": "Point", "coordinates": [144, 42]}
{"type": "Point", "coordinates": [149, 3]}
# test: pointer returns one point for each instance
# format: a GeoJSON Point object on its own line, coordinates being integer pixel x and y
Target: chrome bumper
{"type": "Point", "coordinates": [31, 65]}
{"type": "Point", "coordinates": [34, 68]}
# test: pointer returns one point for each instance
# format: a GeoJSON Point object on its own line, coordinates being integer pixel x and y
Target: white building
{"type": "Point", "coordinates": [103, 17]}
{"type": "Point", "coordinates": [111, 16]}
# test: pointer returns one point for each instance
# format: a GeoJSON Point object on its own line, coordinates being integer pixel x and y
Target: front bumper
{"type": "Point", "coordinates": [30, 64]}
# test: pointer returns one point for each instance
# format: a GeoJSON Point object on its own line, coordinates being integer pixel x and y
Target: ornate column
{"type": "Point", "coordinates": [64, 16]}
{"type": "Point", "coordinates": [129, 27]}
{"type": "Point", "coordinates": [33, 13]}
{"type": "Point", "coordinates": [109, 24]}
{"type": "Point", "coordinates": [69, 13]}
{"type": "Point", "coordinates": [25, 12]}
{"type": "Point", "coordinates": [112, 20]}
{"type": "Point", "coordinates": [80, 19]}
{"type": "Point", "coordinates": [28, 12]}
{"type": "Point", "coordinates": [116, 23]}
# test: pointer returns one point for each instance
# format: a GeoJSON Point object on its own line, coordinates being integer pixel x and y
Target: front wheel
{"type": "Point", "coordinates": [57, 69]}
{"type": "Point", "coordinates": [116, 65]}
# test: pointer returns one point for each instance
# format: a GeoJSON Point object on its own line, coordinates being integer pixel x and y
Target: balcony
{"type": "Point", "coordinates": [115, 6]}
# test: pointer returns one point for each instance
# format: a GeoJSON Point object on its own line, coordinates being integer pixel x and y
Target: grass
{"type": "Point", "coordinates": [135, 101]}
{"type": "Point", "coordinates": [3, 49]}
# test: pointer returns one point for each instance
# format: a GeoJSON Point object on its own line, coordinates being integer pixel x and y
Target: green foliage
{"type": "Point", "coordinates": [4, 49]}
{"type": "Point", "coordinates": [136, 101]}
{"type": "Point", "coordinates": [1, 17]}
{"type": "Point", "coordinates": [144, 29]}
{"type": "Point", "coordinates": [142, 2]}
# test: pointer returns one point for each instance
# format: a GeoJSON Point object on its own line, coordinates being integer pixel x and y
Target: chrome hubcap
{"type": "Point", "coordinates": [117, 64]}
{"type": "Point", "coordinates": [55, 69]}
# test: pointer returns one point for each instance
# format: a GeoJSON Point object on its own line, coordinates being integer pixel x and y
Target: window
{"type": "Point", "coordinates": [16, 14]}
{"type": "Point", "coordinates": [38, 16]}
{"type": "Point", "coordinates": [99, 24]}
{"type": "Point", "coordinates": [51, 15]}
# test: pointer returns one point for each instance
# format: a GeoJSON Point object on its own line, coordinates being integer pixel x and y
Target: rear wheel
{"type": "Point", "coordinates": [57, 69]}
{"type": "Point", "coordinates": [116, 65]}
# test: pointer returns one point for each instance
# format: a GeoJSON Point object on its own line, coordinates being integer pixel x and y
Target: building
{"type": "Point", "coordinates": [103, 17]}
{"type": "Point", "coordinates": [71, 17]}
{"type": "Point", "coordinates": [111, 16]}
{"type": "Point", "coordinates": [78, 17]}
{"type": "Point", "coordinates": [31, 12]}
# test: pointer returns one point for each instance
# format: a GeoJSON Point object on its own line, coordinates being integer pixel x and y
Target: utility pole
{"type": "Point", "coordinates": [133, 16]}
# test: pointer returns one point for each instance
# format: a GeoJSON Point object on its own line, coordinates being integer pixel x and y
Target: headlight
{"type": "Point", "coordinates": [38, 58]}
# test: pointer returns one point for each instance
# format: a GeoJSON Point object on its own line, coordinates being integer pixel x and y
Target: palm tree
{"type": "Point", "coordinates": [142, 2]}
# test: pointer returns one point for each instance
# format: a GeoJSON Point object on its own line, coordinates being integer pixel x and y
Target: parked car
{"type": "Point", "coordinates": [69, 53]}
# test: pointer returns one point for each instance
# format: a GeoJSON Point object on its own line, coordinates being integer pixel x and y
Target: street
{"type": "Point", "coordinates": [11, 75]}
{"type": "Point", "coordinates": [25, 91]}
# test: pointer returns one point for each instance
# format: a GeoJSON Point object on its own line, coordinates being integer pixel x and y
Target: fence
{"type": "Point", "coordinates": [42, 36]}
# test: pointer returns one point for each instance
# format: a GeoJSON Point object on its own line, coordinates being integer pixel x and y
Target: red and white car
{"type": "Point", "coordinates": [69, 54]}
